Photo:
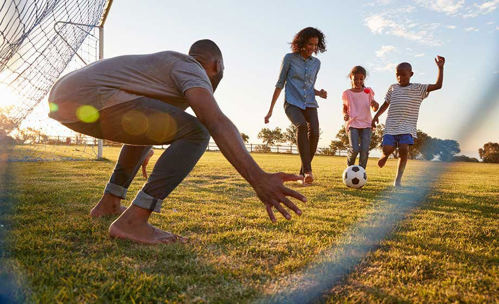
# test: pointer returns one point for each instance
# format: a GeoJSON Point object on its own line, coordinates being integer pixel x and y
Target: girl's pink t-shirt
{"type": "Point", "coordinates": [359, 108]}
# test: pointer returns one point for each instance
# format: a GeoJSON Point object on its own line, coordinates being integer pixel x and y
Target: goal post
{"type": "Point", "coordinates": [40, 40]}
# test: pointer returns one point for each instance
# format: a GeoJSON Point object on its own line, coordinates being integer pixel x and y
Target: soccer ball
{"type": "Point", "coordinates": [354, 176]}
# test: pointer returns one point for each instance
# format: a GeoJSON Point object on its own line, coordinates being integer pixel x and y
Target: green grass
{"type": "Point", "coordinates": [444, 251]}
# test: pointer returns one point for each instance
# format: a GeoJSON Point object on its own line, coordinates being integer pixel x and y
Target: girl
{"type": "Point", "coordinates": [357, 115]}
{"type": "Point", "coordinates": [298, 75]}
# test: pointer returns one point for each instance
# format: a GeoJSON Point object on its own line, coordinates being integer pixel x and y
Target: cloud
{"type": "Point", "coordinates": [407, 29]}
{"type": "Point", "coordinates": [452, 27]}
{"type": "Point", "coordinates": [384, 49]}
{"type": "Point", "coordinates": [419, 55]}
{"type": "Point", "coordinates": [449, 7]}
{"type": "Point", "coordinates": [386, 67]}
{"type": "Point", "coordinates": [459, 7]}
{"type": "Point", "coordinates": [471, 29]}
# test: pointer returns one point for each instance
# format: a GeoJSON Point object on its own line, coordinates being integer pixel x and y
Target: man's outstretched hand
{"type": "Point", "coordinates": [273, 194]}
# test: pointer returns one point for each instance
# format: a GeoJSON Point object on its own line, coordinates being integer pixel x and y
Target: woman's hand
{"type": "Point", "coordinates": [267, 117]}
{"type": "Point", "coordinates": [322, 93]}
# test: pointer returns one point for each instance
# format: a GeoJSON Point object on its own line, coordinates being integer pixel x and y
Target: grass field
{"type": "Point", "coordinates": [443, 251]}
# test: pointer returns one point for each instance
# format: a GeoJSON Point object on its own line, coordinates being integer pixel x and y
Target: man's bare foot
{"type": "Point", "coordinates": [143, 233]}
{"type": "Point", "coordinates": [382, 161]}
{"type": "Point", "coordinates": [107, 206]}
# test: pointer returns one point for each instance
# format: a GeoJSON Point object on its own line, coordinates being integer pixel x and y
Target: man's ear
{"type": "Point", "coordinates": [412, 73]}
{"type": "Point", "coordinates": [219, 65]}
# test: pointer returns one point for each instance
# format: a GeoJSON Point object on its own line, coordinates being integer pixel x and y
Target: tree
{"type": "Point", "coordinates": [343, 143]}
{"type": "Point", "coordinates": [419, 142]}
{"type": "Point", "coordinates": [489, 153]}
{"type": "Point", "coordinates": [431, 147]}
{"type": "Point", "coordinates": [271, 137]}
{"type": "Point", "coordinates": [245, 138]}
{"type": "Point", "coordinates": [464, 158]}
{"type": "Point", "coordinates": [6, 123]}
{"type": "Point", "coordinates": [290, 134]}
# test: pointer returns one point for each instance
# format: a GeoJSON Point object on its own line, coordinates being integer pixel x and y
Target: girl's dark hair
{"type": "Point", "coordinates": [358, 70]}
{"type": "Point", "coordinates": [302, 37]}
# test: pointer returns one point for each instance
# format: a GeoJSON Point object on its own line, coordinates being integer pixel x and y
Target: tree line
{"type": "Point", "coordinates": [425, 146]}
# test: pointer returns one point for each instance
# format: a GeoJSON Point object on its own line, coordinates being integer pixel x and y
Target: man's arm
{"type": "Point", "coordinates": [268, 187]}
{"type": "Point", "coordinates": [440, 61]}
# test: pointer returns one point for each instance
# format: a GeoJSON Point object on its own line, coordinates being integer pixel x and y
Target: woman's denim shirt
{"type": "Point", "coordinates": [299, 75]}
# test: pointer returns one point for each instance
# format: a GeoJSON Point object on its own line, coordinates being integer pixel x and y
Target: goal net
{"type": "Point", "coordinates": [40, 40]}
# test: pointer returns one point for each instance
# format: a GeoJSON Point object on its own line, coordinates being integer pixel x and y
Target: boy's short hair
{"type": "Point", "coordinates": [404, 66]}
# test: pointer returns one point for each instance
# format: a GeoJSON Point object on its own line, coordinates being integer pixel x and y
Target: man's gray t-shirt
{"type": "Point", "coordinates": [164, 76]}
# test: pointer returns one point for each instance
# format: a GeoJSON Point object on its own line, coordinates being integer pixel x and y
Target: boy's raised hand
{"type": "Point", "coordinates": [440, 61]}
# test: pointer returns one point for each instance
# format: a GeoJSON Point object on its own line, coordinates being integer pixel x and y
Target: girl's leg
{"type": "Point", "coordinates": [353, 138]}
{"type": "Point", "coordinates": [297, 117]}
{"type": "Point", "coordinates": [403, 151]}
{"type": "Point", "coordinates": [365, 141]}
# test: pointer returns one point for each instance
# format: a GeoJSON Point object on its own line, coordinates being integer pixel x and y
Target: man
{"type": "Point", "coordinates": [139, 100]}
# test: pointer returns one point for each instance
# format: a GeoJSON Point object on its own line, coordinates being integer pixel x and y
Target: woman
{"type": "Point", "coordinates": [298, 74]}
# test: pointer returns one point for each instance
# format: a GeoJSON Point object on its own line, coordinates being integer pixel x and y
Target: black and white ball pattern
{"type": "Point", "coordinates": [354, 176]}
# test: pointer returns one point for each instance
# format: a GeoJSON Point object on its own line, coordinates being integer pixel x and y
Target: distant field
{"type": "Point", "coordinates": [444, 251]}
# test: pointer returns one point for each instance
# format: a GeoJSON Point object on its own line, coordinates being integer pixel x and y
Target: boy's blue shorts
{"type": "Point", "coordinates": [395, 140]}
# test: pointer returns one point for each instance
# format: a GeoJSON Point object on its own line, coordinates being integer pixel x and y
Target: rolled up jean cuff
{"type": "Point", "coordinates": [116, 190]}
{"type": "Point", "coordinates": [144, 200]}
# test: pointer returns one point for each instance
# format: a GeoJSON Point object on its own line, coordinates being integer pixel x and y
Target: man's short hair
{"type": "Point", "coordinates": [205, 48]}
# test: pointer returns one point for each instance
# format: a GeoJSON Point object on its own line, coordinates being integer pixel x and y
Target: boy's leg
{"type": "Point", "coordinates": [365, 140]}
{"type": "Point", "coordinates": [389, 143]}
{"type": "Point", "coordinates": [403, 151]}
{"type": "Point", "coordinates": [353, 150]}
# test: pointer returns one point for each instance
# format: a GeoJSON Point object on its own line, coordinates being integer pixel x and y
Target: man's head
{"type": "Point", "coordinates": [207, 53]}
{"type": "Point", "coordinates": [404, 73]}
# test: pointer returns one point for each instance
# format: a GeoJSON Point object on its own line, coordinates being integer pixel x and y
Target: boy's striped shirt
{"type": "Point", "coordinates": [404, 106]}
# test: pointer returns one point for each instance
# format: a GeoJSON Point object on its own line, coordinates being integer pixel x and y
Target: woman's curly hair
{"type": "Point", "coordinates": [302, 37]}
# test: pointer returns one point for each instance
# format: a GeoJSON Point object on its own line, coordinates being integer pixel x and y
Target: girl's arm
{"type": "Point", "coordinates": [345, 112]}
{"type": "Point", "coordinates": [374, 105]}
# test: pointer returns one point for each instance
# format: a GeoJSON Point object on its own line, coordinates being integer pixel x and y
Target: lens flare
{"type": "Point", "coordinates": [163, 128]}
{"type": "Point", "coordinates": [87, 114]}
{"type": "Point", "coordinates": [135, 123]}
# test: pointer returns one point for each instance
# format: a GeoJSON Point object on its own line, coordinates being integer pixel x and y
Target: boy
{"type": "Point", "coordinates": [403, 100]}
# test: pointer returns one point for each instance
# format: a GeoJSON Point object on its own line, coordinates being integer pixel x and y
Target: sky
{"type": "Point", "coordinates": [254, 36]}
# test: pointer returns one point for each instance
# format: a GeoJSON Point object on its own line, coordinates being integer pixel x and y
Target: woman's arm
{"type": "Point", "coordinates": [276, 94]}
